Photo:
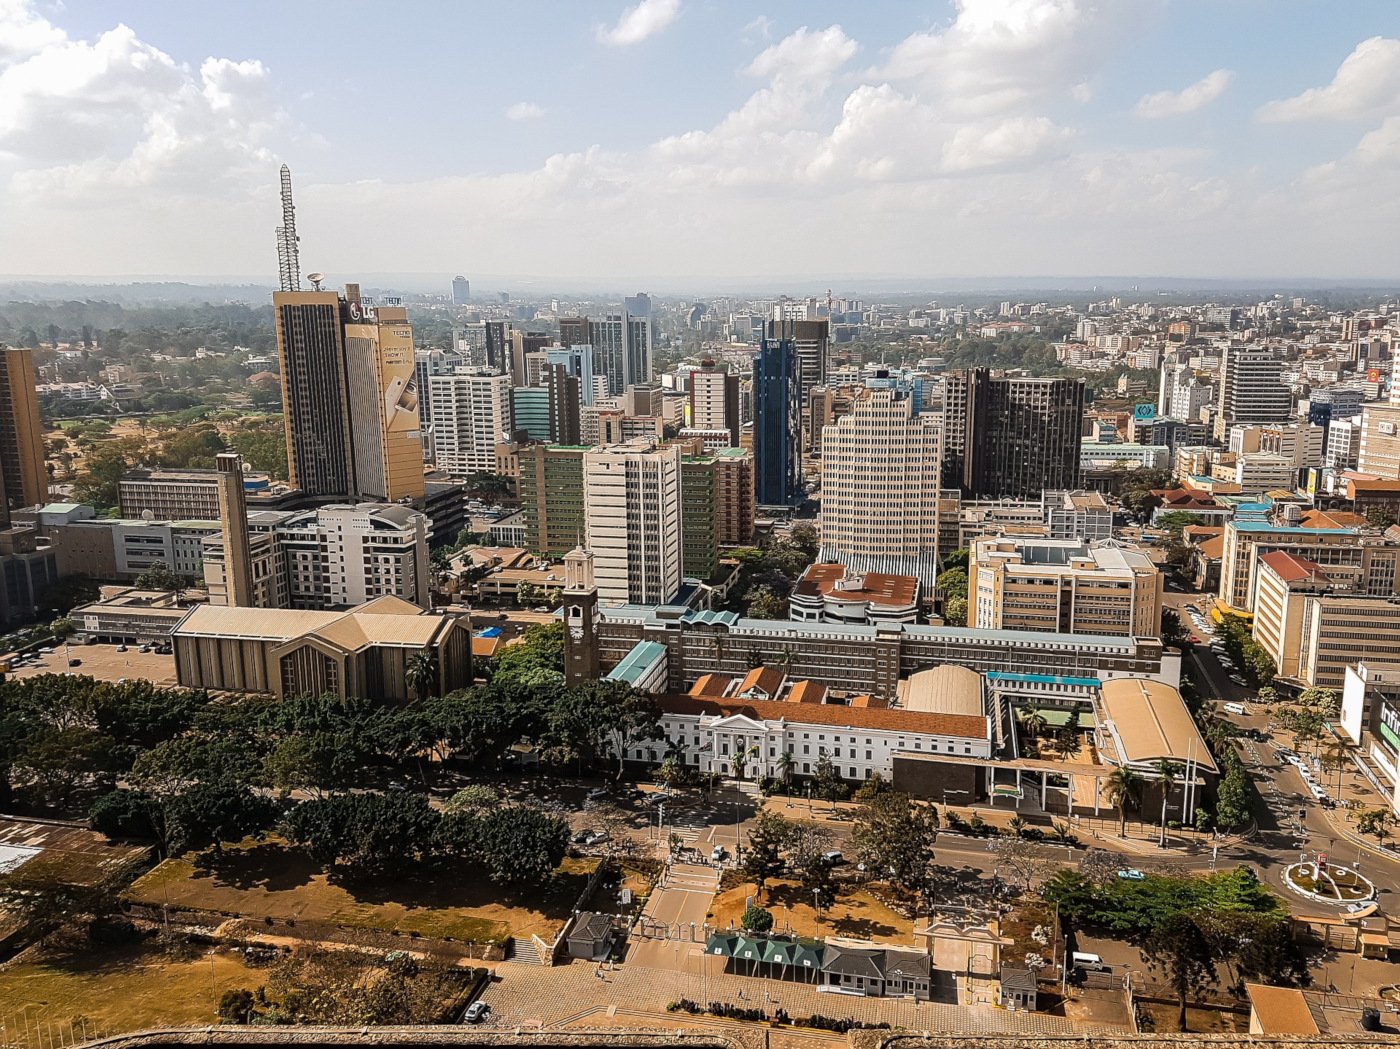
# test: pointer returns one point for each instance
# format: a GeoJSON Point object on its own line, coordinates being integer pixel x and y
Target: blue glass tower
{"type": "Point", "coordinates": [777, 422]}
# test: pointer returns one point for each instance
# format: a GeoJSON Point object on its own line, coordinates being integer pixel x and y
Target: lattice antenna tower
{"type": "Point", "coordinates": [288, 262]}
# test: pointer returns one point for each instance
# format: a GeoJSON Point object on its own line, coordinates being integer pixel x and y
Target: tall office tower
{"type": "Point", "coordinates": [608, 337]}
{"type": "Point", "coordinates": [288, 259]}
{"type": "Point", "coordinates": [565, 394]}
{"type": "Point", "coordinates": [632, 520]}
{"type": "Point", "coordinates": [551, 497]}
{"type": "Point", "coordinates": [23, 471]}
{"type": "Point", "coordinates": [637, 319]}
{"type": "Point", "coordinates": [573, 331]}
{"type": "Point", "coordinates": [810, 339]}
{"type": "Point", "coordinates": [581, 662]}
{"type": "Point", "coordinates": [777, 437]}
{"type": "Point", "coordinates": [1251, 389]}
{"type": "Point", "coordinates": [699, 522]}
{"type": "Point", "coordinates": [498, 345]}
{"type": "Point", "coordinates": [233, 520]}
{"type": "Point", "coordinates": [471, 412]}
{"type": "Point", "coordinates": [315, 404]}
{"type": "Point", "coordinates": [714, 400]}
{"type": "Point", "coordinates": [461, 291]}
{"type": "Point", "coordinates": [1012, 437]}
{"type": "Point", "coordinates": [880, 487]}
{"type": "Point", "coordinates": [426, 364]}
{"type": "Point", "coordinates": [385, 429]}
{"type": "Point", "coordinates": [522, 344]}
{"type": "Point", "coordinates": [577, 361]}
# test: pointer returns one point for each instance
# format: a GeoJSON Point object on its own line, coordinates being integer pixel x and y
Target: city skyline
{"type": "Point", "coordinates": [988, 137]}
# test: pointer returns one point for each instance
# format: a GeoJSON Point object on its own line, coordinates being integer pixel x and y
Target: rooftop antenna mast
{"type": "Point", "coordinates": [288, 263]}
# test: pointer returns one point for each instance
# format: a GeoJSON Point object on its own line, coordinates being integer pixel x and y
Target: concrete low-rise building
{"type": "Point", "coordinates": [364, 652]}
{"type": "Point", "coordinates": [826, 593]}
{"type": "Point", "coordinates": [1063, 586]}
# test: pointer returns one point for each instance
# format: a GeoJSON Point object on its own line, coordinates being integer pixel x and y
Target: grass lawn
{"type": "Point", "coordinates": [856, 913]}
{"type": "Point", "coordinates": [118, 988]}
{"type": "Point", "coordinates": [267, 879]}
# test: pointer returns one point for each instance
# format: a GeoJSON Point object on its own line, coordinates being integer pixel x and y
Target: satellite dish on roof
{"type": "Point", "coordinates": [315, 279]}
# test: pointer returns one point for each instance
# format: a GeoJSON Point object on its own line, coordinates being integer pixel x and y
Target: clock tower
{"type": "Point", "coordinates": [580, 619]}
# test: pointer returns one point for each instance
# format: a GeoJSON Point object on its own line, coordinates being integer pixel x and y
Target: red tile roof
{"type": "Point", "coordinates": [967, 726]}
{"type": "Point", "coordinates": [1291, 568]}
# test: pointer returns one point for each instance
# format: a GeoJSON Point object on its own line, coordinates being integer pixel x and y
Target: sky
{"type": "Point", "coordinates": [703, 140]}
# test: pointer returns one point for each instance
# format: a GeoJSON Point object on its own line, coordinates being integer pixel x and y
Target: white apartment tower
{"type": "Point", "coordinates": [880, 484]}
{"type": "Point", "coordinates": [470, 412]}
{"type": "Point", "coordinates": [632, 521]}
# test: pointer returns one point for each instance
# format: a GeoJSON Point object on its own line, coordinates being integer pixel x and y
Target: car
{"type": "Point", "coordinates": [476, 1012]}
{"type": "Point", "coordinates": [581, 838]}
{"type": "Point", "coordinates": [1131, 874]}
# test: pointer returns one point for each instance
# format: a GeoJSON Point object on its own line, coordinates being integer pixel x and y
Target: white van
{"type": "Point", "coordinates": [1088, 962]}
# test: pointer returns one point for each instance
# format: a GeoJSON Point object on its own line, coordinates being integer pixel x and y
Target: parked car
{"type": "Point", "coordinates": [476, 1012]}
{"type": "Point", "coordinates": [1131, 874]}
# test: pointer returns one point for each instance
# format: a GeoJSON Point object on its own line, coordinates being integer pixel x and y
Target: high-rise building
{"type": "Point", "coordinates": [1011, 437]}
{"type": "Point", "coordinates": [1064, 586]}
{"type": "Point", "coordinates": [22, 468]}
{"type": "Point", "coordinates": [461, 291]}
{"type": "Point", "coordinates": [880, 486]}
{"type": "Point", "coordinates": [622, 349]}
{"type": "Point", "coordinates": [577, 362]}
{"type": "Point", "coordinates": [565, 396]}
{"type": "Point", "coordinates": [632, 519]}
{"type": "Point", "coordinates": [551, 497]}
{"type": "Point", "coordinates": [498, 345]}
{"type": "Point", "coordinates": [386, 433]}
{"type": "Point", "coordinates": [573, 331]}
{"type": "Point", "coordinates": [471, 412]}
{"type": "Point", "coordinates": [315, 407]}
{"type": "Point", "coordinates": [714, 400]}
{"type": "Point", "coordinates": [1251, 389]}
{"type": "Point", "coordinates": [810, 340]}
{"type": "Point", "coordinates": [777, 425]}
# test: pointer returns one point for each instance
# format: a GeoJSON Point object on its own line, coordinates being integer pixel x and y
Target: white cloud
{"type": "Point", "coordinates": [1189, 99]}
{"type": "Point", "coordinates": [1367, 83]}
{"type": "Point", "coordinates": [806, 55]}
{"type": "Point", "coordinates": [1001, 55]}
{"type": "Point", "coordinates": [524, 111]}
{"type": "Point", "coordinates": [637, 23]}
{"type": "Point", "coordinates": [1005, 145]}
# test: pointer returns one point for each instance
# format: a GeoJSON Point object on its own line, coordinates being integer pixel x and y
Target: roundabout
{"type": "Point", "coordinates": [1329, 883]}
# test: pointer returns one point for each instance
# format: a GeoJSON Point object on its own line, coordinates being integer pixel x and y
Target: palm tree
{"type": "Point", "coordinates": [421, 673]}
{"type": "Point", "coordinates": [1123, 787]}
{"type": "Point", "coordinates": [1167, 774]}
{"type": "Point", "coordinates": [1335, 756]}
{"type": "Point", "coordinates": [785, 767]}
